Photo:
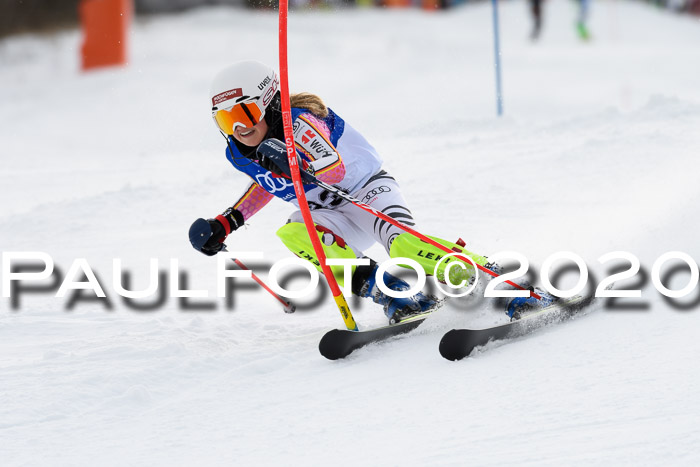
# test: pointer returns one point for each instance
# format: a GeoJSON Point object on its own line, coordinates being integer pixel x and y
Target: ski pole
{"type": "Point", "coordinates": [381, 215]}
{"type": "Point", "coordinates": [288, 306]}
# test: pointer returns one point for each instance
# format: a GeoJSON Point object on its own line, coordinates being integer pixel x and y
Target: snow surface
{"type": "Point", "coordinates": [597, 152]}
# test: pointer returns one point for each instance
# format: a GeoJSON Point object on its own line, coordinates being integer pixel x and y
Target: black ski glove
{"type": "Point", "coordinates": [269, 158]}
{"type": "Point", "coordinates": [208, 236]}
{"type": "Point", "coordinates": [272, 155]}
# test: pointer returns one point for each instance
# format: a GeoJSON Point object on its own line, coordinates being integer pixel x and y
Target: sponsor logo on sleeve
{"type": "Point", "coordinates": [310, 140]}
{"type": "Point", "coordinates": [320, 148]}
{"type": "Point", "coordinates": [307, 136]}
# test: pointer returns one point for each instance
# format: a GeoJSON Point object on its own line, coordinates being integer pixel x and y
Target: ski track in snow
{"type": "Point", "coordinates": [597, 152]}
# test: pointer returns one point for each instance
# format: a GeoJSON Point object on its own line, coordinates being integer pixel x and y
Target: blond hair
{"type": "Point", "coordinates": [310, 102]}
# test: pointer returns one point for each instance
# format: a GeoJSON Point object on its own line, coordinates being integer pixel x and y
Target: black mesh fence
{"type": "Point", "coordinates": [17, 16]}
{"type": "Point", "coordinates": [36, 15]}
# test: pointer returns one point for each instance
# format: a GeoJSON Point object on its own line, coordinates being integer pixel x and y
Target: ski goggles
{"type": "Point", "coordinates": [245, 114]}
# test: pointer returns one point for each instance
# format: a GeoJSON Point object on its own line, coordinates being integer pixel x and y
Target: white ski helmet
{"type": "Point", "coordinates": [241, 93]}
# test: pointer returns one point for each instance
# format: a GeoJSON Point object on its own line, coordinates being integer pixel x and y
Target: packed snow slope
{"type": "Point", "coordinates": [597, 152]}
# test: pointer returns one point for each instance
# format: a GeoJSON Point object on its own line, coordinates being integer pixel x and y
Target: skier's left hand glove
{"type": "Point", "coordinates": [272, 155]}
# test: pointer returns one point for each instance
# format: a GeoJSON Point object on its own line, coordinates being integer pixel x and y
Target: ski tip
{"type": "Point", "coordinates": [452, 345]}
{"type": "Point", "coordinates": [328, 346]}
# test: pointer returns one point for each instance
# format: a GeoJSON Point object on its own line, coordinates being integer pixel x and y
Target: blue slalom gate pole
{"type": "Point", "coordinates": [497, 52]}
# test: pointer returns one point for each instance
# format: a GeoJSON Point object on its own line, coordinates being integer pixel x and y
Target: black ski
{"type": "Point", "coordinates": [459, 343]}
{"type": "Point", "coordinates": [339, 343]}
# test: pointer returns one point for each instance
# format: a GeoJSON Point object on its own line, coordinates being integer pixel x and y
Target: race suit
{"type": "Point", "coordinates": [341, 156]}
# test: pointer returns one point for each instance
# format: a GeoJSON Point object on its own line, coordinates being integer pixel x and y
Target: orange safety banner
{"type": "Point", "coordinates": [397, 3]}
{"type": "Point", "coordinates": [105, 26]}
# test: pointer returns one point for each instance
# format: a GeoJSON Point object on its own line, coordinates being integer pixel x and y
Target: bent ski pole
{"type": "Point", "coordinates": [288, 306]}
{"type": "Point", "coordinates": [200, 233]}
{"type": "Point", "coordinates": [381, 215]}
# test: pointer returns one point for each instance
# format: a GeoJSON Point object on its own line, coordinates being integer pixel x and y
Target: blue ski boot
{"type": "Point", "coordinates": [364, 284]}
{"type": "Point", "coordinates": [520, 306]}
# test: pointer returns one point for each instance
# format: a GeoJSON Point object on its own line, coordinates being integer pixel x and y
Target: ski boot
{"type": "Point", "coordinates": [495, 267]}
{"type": "Point", "coordinates": [396, 309]}
{"type": "Point", "coordinates": [521, 306]}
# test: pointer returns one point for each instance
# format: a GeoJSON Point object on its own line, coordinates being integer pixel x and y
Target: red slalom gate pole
{"type": "Point", "coordinates": [296, 176]}
{"type": "Point", "coordinates": [406, 228]}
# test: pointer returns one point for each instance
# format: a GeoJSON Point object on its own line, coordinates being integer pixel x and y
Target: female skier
{"type": "Point", "coordinates": [246, 108]}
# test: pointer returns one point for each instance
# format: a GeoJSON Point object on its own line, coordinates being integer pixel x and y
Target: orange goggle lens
{"type": "Point", "coordinates": [246, 115]}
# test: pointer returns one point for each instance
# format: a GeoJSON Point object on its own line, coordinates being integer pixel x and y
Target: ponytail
{"type": "Point", "coordinates": [310, 102]}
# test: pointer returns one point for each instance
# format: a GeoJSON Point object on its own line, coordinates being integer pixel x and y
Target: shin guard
{"type": "Point", "coordinates": [295, 237]}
